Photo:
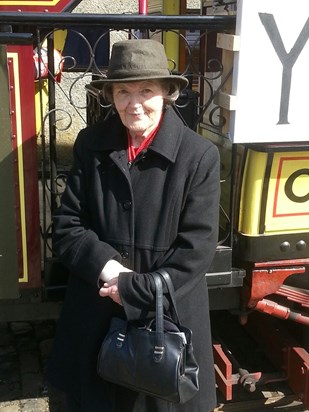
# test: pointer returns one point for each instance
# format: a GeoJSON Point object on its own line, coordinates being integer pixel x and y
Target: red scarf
{"type": "Point", "coordinates": [134, 151]}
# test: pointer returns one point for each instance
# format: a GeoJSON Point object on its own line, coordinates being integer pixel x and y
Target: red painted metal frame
{"type": "Point", "coordinates": [40, 6]}
{"type": "Point", "coordinates": [293, 294]}
{"type": "Point", "coordinates": [272, 308]}
{"type": "Point", "coordinates": [223, 371]}
{"type": "Point", "coordinates": [280, 263]}
{"type": "Point", "coordinates": [143, 7]}
{"type": "Point", "coordinates": [225, 378]}
{"type": "Point", "coordinates": [266, 278]}
{"type": "Point", "coordinates": [29, 151]}
{"type": "Point", "coordinates": [283, 351]}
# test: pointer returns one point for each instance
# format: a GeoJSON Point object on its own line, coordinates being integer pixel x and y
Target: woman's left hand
{"type": "Point", "coordinates": [110, 289]}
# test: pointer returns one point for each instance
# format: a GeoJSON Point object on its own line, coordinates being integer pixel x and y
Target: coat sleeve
{"type": "Point", "coordinates": [191, 254]}
{"type": "Point", "coordinates": [74, 241]}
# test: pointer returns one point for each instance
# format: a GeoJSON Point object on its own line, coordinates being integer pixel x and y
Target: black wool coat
{"type": "Point", "coordinates": [159, 212]}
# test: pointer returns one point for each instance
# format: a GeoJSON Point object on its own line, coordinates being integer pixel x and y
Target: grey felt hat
{"type": "Point", "coordinates": [135, 60]}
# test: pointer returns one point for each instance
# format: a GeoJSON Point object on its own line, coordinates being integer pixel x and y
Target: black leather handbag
{"type": "Point", "coordinates": [154, 356]}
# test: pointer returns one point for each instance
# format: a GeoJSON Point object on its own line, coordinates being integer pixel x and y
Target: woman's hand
{"type": "Point", "coordinates": [110, 289]}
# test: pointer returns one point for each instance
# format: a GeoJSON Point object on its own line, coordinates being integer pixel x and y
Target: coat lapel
{"type": "Point", "coordinates": [110, 137]}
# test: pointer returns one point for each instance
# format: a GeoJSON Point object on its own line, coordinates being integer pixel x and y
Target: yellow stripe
{"type": "Point", "coordinates": [14, 57]}
{"type": "Point", "coordinates": [29, 3]}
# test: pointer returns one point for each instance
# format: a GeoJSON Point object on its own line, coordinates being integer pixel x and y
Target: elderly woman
{"type": "Point", "coordinates": [142, 194]}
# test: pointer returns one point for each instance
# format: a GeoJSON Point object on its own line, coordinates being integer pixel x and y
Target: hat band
{"type": "Point", "coordinates": [125, 74]}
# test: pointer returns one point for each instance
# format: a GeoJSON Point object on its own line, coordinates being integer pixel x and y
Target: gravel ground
{"type": "Point", "coordinates": [24, 347]}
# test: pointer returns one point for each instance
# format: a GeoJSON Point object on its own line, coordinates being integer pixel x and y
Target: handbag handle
{"type": "Point", "coordinates": [157, 277]}
{"type": "Point", "coordinates": [170, 287]}
{"type": "Point", "coordinates": [159, 346]}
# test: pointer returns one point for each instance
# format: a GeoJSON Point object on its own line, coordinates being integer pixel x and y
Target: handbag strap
{"type": "Point", "coordinates": [170, 287]}
{"type": "Point", "coordinates": [159, 346]}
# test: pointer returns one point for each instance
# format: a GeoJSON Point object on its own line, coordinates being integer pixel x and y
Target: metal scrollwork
{"type": "Point", "coordinates": [71, 105]}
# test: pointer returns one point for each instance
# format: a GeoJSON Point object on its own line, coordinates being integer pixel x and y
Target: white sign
{"type": "Point", "coordinates": [271, 72]}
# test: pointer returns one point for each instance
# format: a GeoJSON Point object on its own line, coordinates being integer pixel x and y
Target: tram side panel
{"type": "Point", "coordinates": [20, 251]}
{"type": "Point", "coordinates": [8, 238]}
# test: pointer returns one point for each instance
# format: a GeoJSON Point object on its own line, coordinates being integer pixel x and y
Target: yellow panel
{"type": "Point", "coordinates": [170, 39]}
{"type": "Point", "coordinates": [251, 193]}
{"type": "Point", "coordinates": [171, 7]}
{"type": "Point", "coordinates": [38, 114]}
{"type": "Point", "coordinates": [59, 39]}
{"type": "Point", "coordinates": [288, 195]}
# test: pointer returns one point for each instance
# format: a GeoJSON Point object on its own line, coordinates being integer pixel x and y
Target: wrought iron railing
{"type": "Point", "coordinates": [70, 106]}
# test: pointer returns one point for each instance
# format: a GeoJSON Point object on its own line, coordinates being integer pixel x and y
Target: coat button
{"type": "Point", "coordinates": [127, 204]}
{"type": "Point", "coordinates": [125, 254]}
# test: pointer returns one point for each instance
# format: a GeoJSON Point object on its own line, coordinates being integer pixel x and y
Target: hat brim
{"type": "Point", "coordinates": [181, 80]}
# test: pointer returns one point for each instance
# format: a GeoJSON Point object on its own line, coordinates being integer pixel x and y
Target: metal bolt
{"type": "Point", "coordinates": [301, 245]}
{"type": "Point", "coordinates": [285, 246]}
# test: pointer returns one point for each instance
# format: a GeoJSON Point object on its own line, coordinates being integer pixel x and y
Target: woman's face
{"type": "Point", "coordinates": [139, 105]}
